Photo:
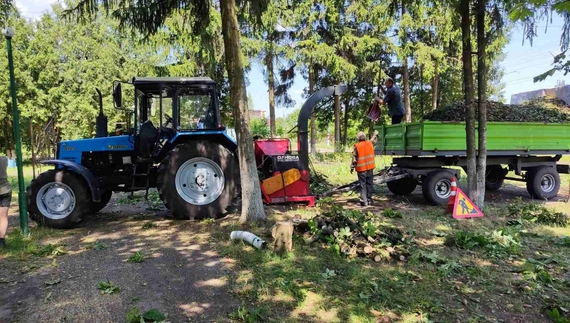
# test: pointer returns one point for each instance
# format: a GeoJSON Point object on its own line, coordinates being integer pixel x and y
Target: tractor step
{"type": "Point", "coordinates": [145, 175]}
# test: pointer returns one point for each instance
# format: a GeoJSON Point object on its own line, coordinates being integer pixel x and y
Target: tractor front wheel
{"type": "Point", "coordinates": [198, 180]}
{"type": "Point", "coordinates": [58, 199]}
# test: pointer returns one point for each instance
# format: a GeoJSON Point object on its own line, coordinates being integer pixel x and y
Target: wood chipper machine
{"type": "Point", "coordinates": [284, 175]}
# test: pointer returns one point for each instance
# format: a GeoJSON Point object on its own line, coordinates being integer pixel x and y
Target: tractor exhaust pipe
{"type": "Point", "coordinates": [303, 120]}
{"type": "Point", "coordinates": [101, 122]}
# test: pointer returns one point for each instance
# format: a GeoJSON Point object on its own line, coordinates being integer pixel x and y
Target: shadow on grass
{"type": "Point", "coordinates": [312, 284]}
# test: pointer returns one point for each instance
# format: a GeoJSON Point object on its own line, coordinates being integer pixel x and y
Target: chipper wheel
{"type": "Point", "coordinates": [58, 199]}
{"type": "Point", "coordinates": [198, 180]}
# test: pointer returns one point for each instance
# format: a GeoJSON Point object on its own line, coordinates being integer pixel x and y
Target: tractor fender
{"type": "Point", "coordinates": [92, 182]}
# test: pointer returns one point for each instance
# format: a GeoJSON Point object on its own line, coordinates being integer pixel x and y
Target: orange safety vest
{"type": "Point", "coordinates": [365, 151]}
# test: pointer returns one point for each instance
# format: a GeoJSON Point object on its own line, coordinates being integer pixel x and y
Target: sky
{"type": "Point", "coordinates": [521, 64]}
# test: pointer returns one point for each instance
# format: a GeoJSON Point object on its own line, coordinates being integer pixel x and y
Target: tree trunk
{"type": "Point", "coordinates": [434, 86]}
{"type": "Point", "coordinates": [337, 143]}
{"type": "Point", "coordinates": [313, 117]}
{"type": "Point", "coordinates": [406, 78]}
{"type": "Point", "coordinates": [252, 205]}
{"type": "Point", "coordinates": [345, 123]}
{"type": "Point", "coordinates": [468, 91]}
{"type": "Point", "coordinates": [482, 103]}
{"type": "Point", "coordinates": [271, 85]}
{"type": "Point", "coordinates": [421, 83]}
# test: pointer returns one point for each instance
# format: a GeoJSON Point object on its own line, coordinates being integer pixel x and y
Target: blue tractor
{"type": "Point", "coordinates": [177, 145]}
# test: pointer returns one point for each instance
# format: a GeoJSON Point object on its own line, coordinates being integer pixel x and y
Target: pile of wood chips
{"type": "Point", "coordinates": [544, 110]}
{"type": "Point", "coordinates": [353, 233]}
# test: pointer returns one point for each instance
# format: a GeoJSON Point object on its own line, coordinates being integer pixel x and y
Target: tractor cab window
{"type": "Point", "coordinates": [197, 109]}
{"type": "Point", "coordinates": [149, 108]}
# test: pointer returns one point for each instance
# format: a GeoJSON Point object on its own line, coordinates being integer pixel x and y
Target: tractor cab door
{"type": "Point", "coordinates": [155, 124]}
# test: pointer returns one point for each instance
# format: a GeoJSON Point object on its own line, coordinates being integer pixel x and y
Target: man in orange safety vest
{"type": "Point", "coordinates": [363, 162]}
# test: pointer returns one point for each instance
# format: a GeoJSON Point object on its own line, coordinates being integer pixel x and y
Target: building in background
{"type": "Point", "coordinates": [561, 92]}
{"type": "Point", "coordinates": [257, 114]}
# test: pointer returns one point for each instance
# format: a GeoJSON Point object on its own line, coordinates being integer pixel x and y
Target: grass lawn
{"type": "Point", "coordinates": [500, 268]}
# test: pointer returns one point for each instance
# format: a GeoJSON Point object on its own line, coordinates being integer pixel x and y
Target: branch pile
{"type": "Point", "coordinates": [545, 110]}
{"type": "Point", "coordinates": [353, 233]}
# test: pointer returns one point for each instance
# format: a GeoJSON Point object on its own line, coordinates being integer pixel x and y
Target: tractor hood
{"type": "Point", "coordinates": [72, 149]}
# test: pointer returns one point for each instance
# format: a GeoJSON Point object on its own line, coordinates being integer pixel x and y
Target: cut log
{"type": "Point", "coordinates": [364, 249]}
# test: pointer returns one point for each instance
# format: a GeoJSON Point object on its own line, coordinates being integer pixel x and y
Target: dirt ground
{"type": "Point", "coordinates": [182, 276]}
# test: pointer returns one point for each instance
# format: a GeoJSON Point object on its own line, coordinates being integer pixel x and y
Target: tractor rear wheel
{"type": "Point", "coordinates": [58, 199]}
{"type": "Point", "coordinates": [105, 198]}
{"type": "Point", "coordinates": [198, 180]}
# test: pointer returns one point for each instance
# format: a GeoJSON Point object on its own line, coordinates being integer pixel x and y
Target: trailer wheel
{"type": "Point", "coordinates": [58, 199]}
{"type": "Point", "coordinates": [105, 198]}
{"type": "Point", "coordinates": [198, 180]}
{"type": "Point", "coordinates": [495, 177]}
{"type": "Point", "coordinates": [404, 186]}
{"type": "Point", "coordinates": [542, 182]}
{"type": "Point", "coordinates": [436, 187]}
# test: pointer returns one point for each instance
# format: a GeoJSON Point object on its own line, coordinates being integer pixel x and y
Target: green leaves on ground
{"type": "Point", "coordinates": [556, 316]}
{"type": "Point", "coordinates": [50, 250]}
{"type": "Point", "coordinates": [107, 288]}
{"type": "Point", "coordinates": [538, 214]}
{"type": "Point", "coordinates": [152, 315]}
{"type": "Point", "coordinates": [97, 245]}
{"type": "Point", "coordinates": [393, 214]}
{"type": "Point", "coordinates": [248, 315]}
{"type": "Point", "coordinates": [496, 241]}
{"type": "Point", "coordinates": [137, 257]}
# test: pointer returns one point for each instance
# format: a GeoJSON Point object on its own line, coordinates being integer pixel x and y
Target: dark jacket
{"type": "Point", "coordinates": [393, 99]}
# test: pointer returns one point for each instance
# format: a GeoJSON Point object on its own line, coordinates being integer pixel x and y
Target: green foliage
{"type": "Point", "coordinates": [153, 315]}
{"type": "Point", "coordinates": [137, 257]}
{"type": "Point", "coordinates": [97, 245]}
{"type": "Point", "coordinates": [393, 214]}
{"type": "Point", "coordinates": [538, 214]}
{"type": "Point", "coordinates": [148, 225]}
{"type": "Point", "coordinates": [129, 200]}
{"type": "Point", "coordinates": [556, 316]}
{"type": "Point", "coordinates": [259, 127]}
{"type": "Point", "coordinates": [496, 242]}
{"type": "Point", "coordinates": [154, 202]}
{"type": "Point", "coordinates": [248, 315]}
{"type": "Point", "coordinates": [369, 229]}
{"type": "Point", "coordinates": [107, 288]}
{"type": "Point", "coordinates": [50, 250]}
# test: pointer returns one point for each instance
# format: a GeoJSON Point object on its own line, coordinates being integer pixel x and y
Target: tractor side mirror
{"type": "Point", "coordinates": [118, 96]}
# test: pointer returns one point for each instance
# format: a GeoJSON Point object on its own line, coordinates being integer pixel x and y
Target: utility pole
{"type": "Point", "coordinates": [22, 201]}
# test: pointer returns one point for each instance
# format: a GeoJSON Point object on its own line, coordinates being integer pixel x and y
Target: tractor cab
{"type": "Point", "coordinates": [166, 107]}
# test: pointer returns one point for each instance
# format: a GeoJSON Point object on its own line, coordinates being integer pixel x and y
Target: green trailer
{"type": "Point", "coordinates": [425, 151]}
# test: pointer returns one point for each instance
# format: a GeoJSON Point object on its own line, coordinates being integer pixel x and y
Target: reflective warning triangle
{"type": "Point", "coordinates": [465, 208]}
